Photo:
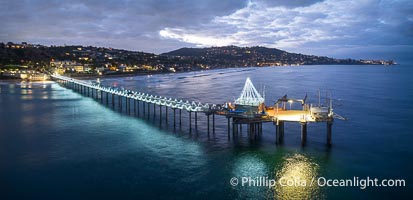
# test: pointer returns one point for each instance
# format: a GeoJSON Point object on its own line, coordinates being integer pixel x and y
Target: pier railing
{"type": "Point", "coordinates": [149, 98]}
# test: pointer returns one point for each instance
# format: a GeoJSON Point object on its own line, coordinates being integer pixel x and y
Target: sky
{"type": "Point", "coordinates": [370, 29]}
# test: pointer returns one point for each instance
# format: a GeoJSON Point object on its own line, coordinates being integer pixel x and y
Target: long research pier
{"type": "Point", "coordinates": [248, 109]}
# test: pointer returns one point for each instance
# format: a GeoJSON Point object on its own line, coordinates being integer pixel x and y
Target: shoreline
{"type": "Point", "coordinates": [120, 75]}
{"type": "Point", "coordinates": [132, 74]}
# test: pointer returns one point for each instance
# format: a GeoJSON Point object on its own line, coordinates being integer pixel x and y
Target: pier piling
{"type": "Point", "coordinates": [138, 108]}
{"type": "Point", "coordinates": [174, 117]}
{"type": "Point", "coordinates": [143, 108]}
{"type": "Point", "coordinates": [166, 115]}
{"type": "Point", "coordinates": [119, 101]}
{"type": "Point", "coordinates": [128, 105]}
{"type": "Point", "coordinates": [233, 127]}
{"type": "Point", "coordinates": [303, 133]}
{"type": "Point", "coordinates": [229, 126]}
{"type": "Point", "coordinates": [213, 123]}
{"type": "Point", "coordinates": [208, 123]}
{"type": "Point", "coordinates": [281, 128]}
{"type": "Point", "coordinates": [154, 111]}
{"type": "Point", "coordinates": [134, 106]}
{"type": "Point", "coordinates": [329, 130]}
{"type": "Point", "coordinates": [190, 122]}
{"type": "Point", "coordinates": [113, 100]}
{"type": "Point", "coordinates": [149, 111]}
{"type": "Point", "coordinates": [180, 118]}
{"type": "Point", "coordinates": [196, 121]}
{"type": "Point", "coordinates": [160, 115]}
{"type": "Point", "coordinates": [278, 131]}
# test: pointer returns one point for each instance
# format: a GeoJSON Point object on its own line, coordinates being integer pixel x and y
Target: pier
{"type": "Point", "coordinates": [248, 110]}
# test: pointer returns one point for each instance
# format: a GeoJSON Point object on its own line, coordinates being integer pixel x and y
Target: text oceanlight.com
{"type": "Point", "coordinates": [362, 183]}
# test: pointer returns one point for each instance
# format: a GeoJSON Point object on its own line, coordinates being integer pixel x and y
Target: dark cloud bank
{"type": "Point", "coordinates": [351, 28]}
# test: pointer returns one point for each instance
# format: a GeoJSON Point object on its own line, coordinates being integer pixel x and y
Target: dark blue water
{"type": "Point", "coordinates": [58, 144]}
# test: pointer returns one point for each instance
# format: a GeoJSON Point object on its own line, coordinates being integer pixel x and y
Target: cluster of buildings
{"type": "Point", "coordinates": [62, 67]}
{"type": "Point", "coordinates": [23, 45]}
{"type": "Point", "coordinates": [97, 60]}
{"type": "Point", "coordinates": [70, 66]}
{"type": "Point", "coordinates": [378, 62]}
{"type": "Point", "coordinates": [22, 72]}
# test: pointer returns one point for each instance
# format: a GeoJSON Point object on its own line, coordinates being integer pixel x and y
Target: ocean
{"type": "Point", "coordinates": [57, 144]}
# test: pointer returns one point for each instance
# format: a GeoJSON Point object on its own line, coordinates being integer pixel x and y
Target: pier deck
{"type": "Point", "coordinates": [290, 115]}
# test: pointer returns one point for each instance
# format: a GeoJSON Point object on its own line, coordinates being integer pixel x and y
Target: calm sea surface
{"type": "Point", "coordinates": [58, 144]}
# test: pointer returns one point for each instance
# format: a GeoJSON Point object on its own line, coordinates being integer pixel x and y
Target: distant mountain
{"type": "Point", "coordinates": [187, 52]}
{"type": "Point", "coordinates": [233, 56]}
{"type": "Point", "coordinates": [228, 50]}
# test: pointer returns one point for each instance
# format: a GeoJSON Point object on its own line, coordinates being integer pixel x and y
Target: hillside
{"type": "Point", "coordinates": [252, 56]}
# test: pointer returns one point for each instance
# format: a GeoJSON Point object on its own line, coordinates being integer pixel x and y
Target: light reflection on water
{"type": "Point", "coordinates": [297, 178]}
{"type": "Point", "coordinates": [250, 166]}
{"type": "Point", "coordinates": [28, 120]}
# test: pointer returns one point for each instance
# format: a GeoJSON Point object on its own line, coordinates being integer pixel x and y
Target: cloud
{"type": "Point", "coordinates": [117, 23]}
{"type": "Point", "coordinates": [305, 26]}
{"type": "Point", "coordinates": [328, 23]}
{"type": "Point", "coordinates": [287, 3]}
{"type": "Point", "coordinates": [199, 39]}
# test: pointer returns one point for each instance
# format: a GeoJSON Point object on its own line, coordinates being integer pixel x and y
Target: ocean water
{"type": "Point", "coordinates": [57, 144]}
